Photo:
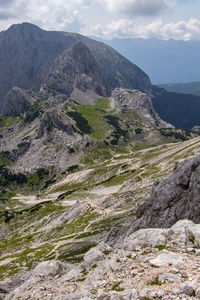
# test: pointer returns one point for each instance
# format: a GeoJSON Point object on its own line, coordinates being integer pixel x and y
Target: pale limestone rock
{"type": "Point", "coordinates": [194, 233]}
{"type": "Point", "coordinates": [187, 289]}
{"type": "Point", "coordinates": [73, 275]}
{"type": "Point", "coordinates": [50, 268]}
{"type": "Point", "coordinates": [181, 225]}
{"type": "Point", "coordinates": [166, 259]}
{"type": "Point", "coordinates": [170, 277]}
{"type": "Point", "coordinates": [146, 237]}
{"type": "Point", "coordinates": [97, 253]}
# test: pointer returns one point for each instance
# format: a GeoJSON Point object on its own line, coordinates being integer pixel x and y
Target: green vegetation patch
{"type": "Point", "coordinates": [155, 282]}
{"type": "Point", "coordinates": [81, 122]}
{"type": "Point", "coordinates": [182, 135]}
{"type": "Point", "coordinates": [8, 121]}
{"type": "Point", "coordinates": [94, 114]}
{"type": "Point", "coordinates": [118, 131]}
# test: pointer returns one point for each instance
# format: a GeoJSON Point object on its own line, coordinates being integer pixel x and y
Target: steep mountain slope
{"type": "Point", "coordinates": [184, 88]}
{"type": "Point", "coordinates": [163, 60]}
{"type": "Point", "coordinates": [27, 53]}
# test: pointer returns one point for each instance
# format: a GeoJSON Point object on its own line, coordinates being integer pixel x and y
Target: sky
{"type": "Point", "coordinates": [163, 19]}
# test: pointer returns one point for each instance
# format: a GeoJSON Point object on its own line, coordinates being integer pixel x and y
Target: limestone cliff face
{"type": "Point", "coordinates": [174, 198]}
{"type": "Point", "coordinates": [124, 100]}
{"type": "Point", "coordinates": [76, 68]}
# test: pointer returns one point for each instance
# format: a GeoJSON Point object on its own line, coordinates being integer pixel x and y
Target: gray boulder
{"type": "Point", "coordinates": [166, 259]}
{"type": "Point", "coordinates": [97, 253]}
{"type": "Point", "coordinates": [146, 237]}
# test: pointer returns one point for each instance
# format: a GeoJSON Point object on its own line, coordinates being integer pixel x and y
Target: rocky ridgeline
{"type": "Point", "coordinates": [150, 264]}
{"type": "Point", "coordinates": [124, 100]}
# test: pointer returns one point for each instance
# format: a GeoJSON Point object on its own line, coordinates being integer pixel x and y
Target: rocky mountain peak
{"type": "Point", "coordinates": [76, 68]}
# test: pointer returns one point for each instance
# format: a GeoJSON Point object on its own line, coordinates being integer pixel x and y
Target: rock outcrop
{"type": "Point", "coordinates": [155, 269]}
{"type": "Point", "coordinates": [76, 68]}
{"type": "Point", "coordinates": [18, 101]}
{"type": "Point", "coordinates": [174, 198]}
{"type": "Point", "coordinates": [124, 100]}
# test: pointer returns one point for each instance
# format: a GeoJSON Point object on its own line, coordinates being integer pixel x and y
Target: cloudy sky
{"type": "Point", "coordinates": [178, 19]}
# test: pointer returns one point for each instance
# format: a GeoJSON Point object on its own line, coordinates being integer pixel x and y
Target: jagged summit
{"type": "Point", "coordinates": [76, 68]}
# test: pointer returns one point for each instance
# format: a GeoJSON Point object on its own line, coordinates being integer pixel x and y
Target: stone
{"type": "Point", "coordinates": [18, 101]}
{"type": "Point", "coordinates": [194, 234]}
{"type": "Point", "coordinates": [181, 225]}
{"type": "Point", "coordinates": [73, 275]}
{"type": "Point", "coordinates": [187, 289]}
{"type": "Point", "coordinates": [167, 259]}
{"type": "Point", "coordinates": [170, 277]}
{"type": "Point", "coordinates": [197, 293]}
{"type": "Point", "coordinates": [197, 252]}
{"type": "Point", "coordinates": [145, 237]}
{"type": "Point", "coordinates": [97, 253]}
{"type": "Point", "coordinates": [103, 296]}
{"type": "Point", "coordinates": [134, 295]}
{"type": "Point", "coordinates": [50, 268]}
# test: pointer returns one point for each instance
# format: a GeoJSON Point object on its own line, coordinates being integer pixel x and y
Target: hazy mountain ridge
{"type": "Point", "coordinates": [163, 60]}
{"type": "Point", "coordinates": [184, 88]}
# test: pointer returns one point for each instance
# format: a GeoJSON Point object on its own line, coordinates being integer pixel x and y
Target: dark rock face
{"type": "Point", "coordinates": [173, 199]}
{"type": "Point", "coordinates": [27, 53]}
{"type": "Point", "coordinates": [76, 68]}
{"type": "Point", "coordinates": [18, 101]}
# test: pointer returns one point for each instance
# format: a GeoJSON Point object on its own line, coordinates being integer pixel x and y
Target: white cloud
{"type": "Point", "coordinates": [137, 7]}
{"type": "Point", "coordinates": [49, 14]}
{"type": "Point", "coordinates": [182, 30]}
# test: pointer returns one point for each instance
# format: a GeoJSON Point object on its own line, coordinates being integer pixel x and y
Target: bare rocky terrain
{"type": "Point", "coordinates": [79, 234]}
{"type": "Point", "coordinates": [99, 197]}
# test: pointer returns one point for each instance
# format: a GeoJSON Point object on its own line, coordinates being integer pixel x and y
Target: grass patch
{"type": "Point", "coordinates": [81, 122]}
{"type": "Point", "coordinates": [155, 282]}
{"type": "Point", "coordinates": [94, 114]}
{"type": "Point", "coordinates": [8, 121]}
{"type": "Point", "coordinates": [116, 287]}
{"type": "Point", "coordinates": [160, 247]}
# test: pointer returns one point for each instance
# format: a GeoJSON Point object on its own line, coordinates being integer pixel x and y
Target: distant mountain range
{"type": "Point", "coordinates": [165, 61]}
{"type": "Point", "coordinates": [185, 88]}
